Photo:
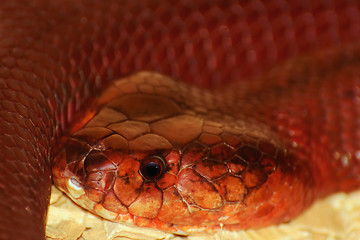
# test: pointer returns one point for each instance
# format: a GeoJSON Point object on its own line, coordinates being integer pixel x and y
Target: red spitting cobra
{"type": "Point", "coordinates": [268, 123]}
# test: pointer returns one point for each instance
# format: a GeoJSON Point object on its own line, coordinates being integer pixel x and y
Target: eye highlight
{"type": "Point", "coordinates": [152, 168]}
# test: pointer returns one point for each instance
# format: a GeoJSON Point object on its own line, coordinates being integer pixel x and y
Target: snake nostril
{"type": "Point", "coordinates": [152, 168]}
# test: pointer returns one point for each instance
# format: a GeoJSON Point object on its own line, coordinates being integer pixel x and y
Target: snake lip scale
{"type": "Point", "coordinates": [184, 116]}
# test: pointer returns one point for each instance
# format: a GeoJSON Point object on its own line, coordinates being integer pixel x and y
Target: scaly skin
{"type": "Point", "coordinates": [57, 56]}
{"type": "Point", "coordinates": [220, 167]}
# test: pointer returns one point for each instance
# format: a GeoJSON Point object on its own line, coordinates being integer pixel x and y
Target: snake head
{"type": "Point", "coordinates": [159, 154]}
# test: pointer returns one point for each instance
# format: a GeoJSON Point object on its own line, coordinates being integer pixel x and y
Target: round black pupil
{"type": "Point", "coordinates": [151, 170]}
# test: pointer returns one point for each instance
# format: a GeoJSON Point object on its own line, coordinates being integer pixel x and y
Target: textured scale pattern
{"type": "Point", "coordinates": [219, 168]}
{"type": "Point", "coordinates": [57, 56]}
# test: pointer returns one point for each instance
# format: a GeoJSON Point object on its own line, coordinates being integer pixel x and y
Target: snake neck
{"type": "Point", "coordinates": [313, 107]}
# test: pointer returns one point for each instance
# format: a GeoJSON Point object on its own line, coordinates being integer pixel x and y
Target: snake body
{"type": "Point", "coordinates": [279, 127]}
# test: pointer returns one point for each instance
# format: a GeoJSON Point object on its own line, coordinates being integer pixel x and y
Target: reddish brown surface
{"type": "Point", "coordinates": [56, 55]}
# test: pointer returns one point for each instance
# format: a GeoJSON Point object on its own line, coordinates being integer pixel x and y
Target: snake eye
{"type": "Point", "coordinates": [152, 167]}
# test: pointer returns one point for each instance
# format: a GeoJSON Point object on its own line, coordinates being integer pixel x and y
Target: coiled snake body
{"type": "Point", "coordinates": [278, 129]}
